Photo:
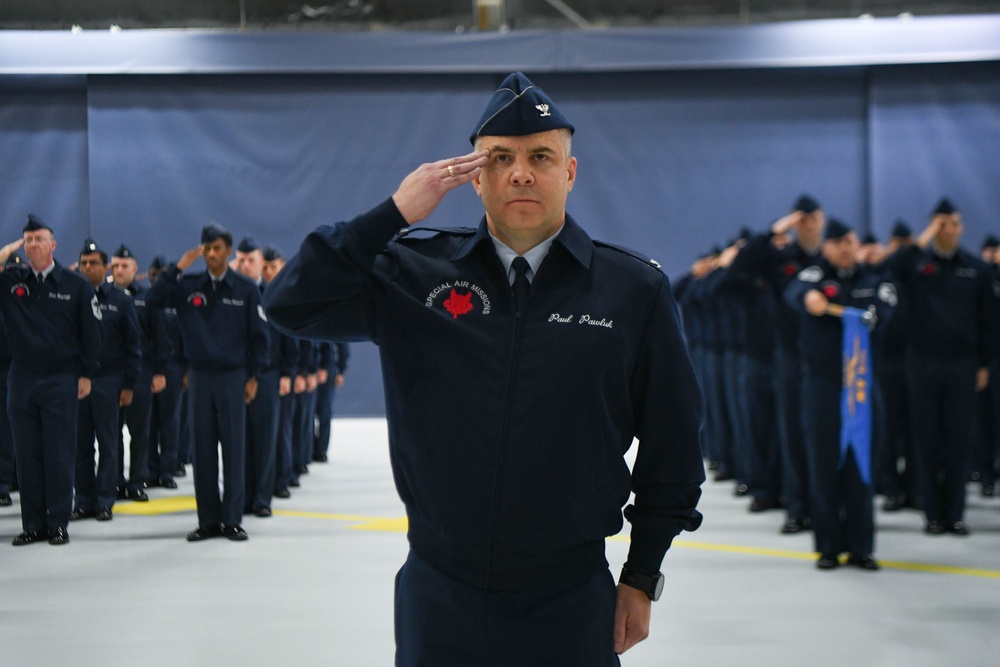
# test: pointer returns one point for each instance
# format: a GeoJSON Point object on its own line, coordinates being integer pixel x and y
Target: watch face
{"type": "Point", "coordinates": [657, 587]}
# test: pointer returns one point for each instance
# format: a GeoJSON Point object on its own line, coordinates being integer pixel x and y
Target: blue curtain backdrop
{"type": "Point", "coordinates": [670, 162]}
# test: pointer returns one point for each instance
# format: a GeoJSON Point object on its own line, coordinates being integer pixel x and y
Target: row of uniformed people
{"type": "Point", "coordinates": [135, 355]}
{"type": "Point", "coordinates": [749, 344]}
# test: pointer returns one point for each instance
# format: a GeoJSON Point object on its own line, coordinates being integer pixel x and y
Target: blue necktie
{"type": "Point", "coordinates": [521, 286]}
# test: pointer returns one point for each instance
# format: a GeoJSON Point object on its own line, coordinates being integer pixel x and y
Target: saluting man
{"type": "Point", "coordinates": [111, 388]}
{"type": "Point", "coordinates": [224, 333]}
{"type": "Point", "coordinates": [53, 324]}
{"type": "Point", "coordinates": [841, 493]}
{"type": "Point", "coordinates": [520, 361]}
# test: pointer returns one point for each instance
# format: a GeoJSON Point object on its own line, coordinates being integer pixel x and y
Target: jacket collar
{"type": "Point", "coordinates": [572, 238]}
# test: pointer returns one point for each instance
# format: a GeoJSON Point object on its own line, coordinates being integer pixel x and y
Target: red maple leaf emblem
{"type": "Point", "coordinates": [830, 291]}
{"type": "Point", "coordinates": [20, 290]}
{"type": "Point", "coordinates": [197, 302]}
{"type": "Point", "coordinates": [928, 269]}
{"type": "Point", "coordinates": [458, 304]}
{"type": "Point", "coordinates": [791, 268]}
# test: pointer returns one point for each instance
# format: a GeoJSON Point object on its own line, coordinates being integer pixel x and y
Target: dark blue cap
{"type": "Point", "coordinates": [806, 204]}
{"type": "Point", "coordinates": [271, 253]}
{"type": "Point", "coordinates": [14, 260]}
{"type": "Point", "coordinates": [901, 230]}
{"type": "Point", "coordinates": [945, 207]}
{"type": "Point", "coordinates": [90, 247]}
{"type": "Point", "coordinates": [518, 108]}
{"type": "Point", "coordinates": [159, 262]}
{"type": "Point", "coordinates": [212, 231]}
{"type": "Point", "coordinates": [123, 252]}
{"type": "Point", "coordinates": [35, 223]}
{"type": "Point", "coordinates": [868, 239]}
{"type": "Point", "coordinates": [248, 245]}
{"type": "Point", "coordinates": [991, 242]}
{"type": "Point", "coordinates": [836, 229]}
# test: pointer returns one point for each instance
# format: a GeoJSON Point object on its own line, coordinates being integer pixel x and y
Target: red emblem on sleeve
{"type": "Point", "coordinates": [458, 304]}
{"type": "Point", "coordinates": [928, 268]}
{"type": "Point", "coordinates": [830, 290]}
{"type": "Point", "coordinates": [197, 300]}
{"type": "Point", "coordinates": [791, 268]}
{"type": "Point", "coordinates": [20, 290]}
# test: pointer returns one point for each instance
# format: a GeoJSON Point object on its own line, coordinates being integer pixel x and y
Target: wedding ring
{"type": "Point", "coordinates": [451, 170]}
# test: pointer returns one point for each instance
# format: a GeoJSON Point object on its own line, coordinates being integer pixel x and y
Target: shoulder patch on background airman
{"type": "Point", "coordinates": [645, 259]}
{"type": "Point", "coordinates": [811, 274]}
{"type": "Point", "coordinates": [887, 293]}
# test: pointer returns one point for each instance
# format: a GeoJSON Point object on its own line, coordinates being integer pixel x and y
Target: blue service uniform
{"type": "Point", "coordinates": [224, 331]}
{"type": "Point", "coordinates": [6, 437]}
{"type": "Point", "coordinates": [332, 357]}
{"type": "Point", "coordinates": [778, 268]}
{"type": "Point", "coordinates": [303, 436]}
{"type": "Point", "coordinates": [55, 338]}
{"type": "Point", "coordinates": [262, 431]}
{"type": "Point", "coordinates": [285, 350]}
{"type": "Point", "coordinates": [952, 311]}
{"type": "Point", "coordinates": [155, 351]}
{"type": "Point", "coordinates": [841, 500]}
{"type": "Point", "coordinates": [507, 432]}
{"type": "Point", "coordinates": [121, 353]}
{"type": "Point", "coordinates": [166, 457]}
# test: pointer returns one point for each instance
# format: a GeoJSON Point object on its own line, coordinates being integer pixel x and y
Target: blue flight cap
{"type": "Point", "coordinates": [519, 108]}
{"type": "Point", "coordinates": [868, 239]}
{"type": "Point", "coordinates": [248, 245]}
{"type": "Point", "coordinates": [901, 230]}
{"type": "Point", "coordinates": [271, 253]}
{"type": "Point", "coordinates": [159, 262]}
{"type": "Point", "coordinates": [806, 204]}
{"type": "Point", "coordinates": [945, 207]}
{"type": "Point", "coordinates": [212, 231]}
{"type": "Point", "coordinates": [90, 247]}
{"type": "Point", "coordinates": [123, 252]}
{"type": "Point", "coordinates": [836, 229]}
{"type": "Point", "coordinates": [35, 223]}
{"type": "Point", "coordinates": [991, 241]}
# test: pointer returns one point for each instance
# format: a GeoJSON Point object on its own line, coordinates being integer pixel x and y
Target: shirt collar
{"type": "Point", "coordinates": [941, 254]}
{"type": "Point", "coordinates": [570, 236]}
{"type": "Point", "coordinates": [534, 256]}
{"type": "Point", "coordinates": [47, 271]}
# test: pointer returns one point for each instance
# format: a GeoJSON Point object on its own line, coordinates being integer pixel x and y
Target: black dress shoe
{"type": "Point", "coordinates": [320, 457]}
{"type": "Point", "coordinates": [934, 528]}
{"type": "Point", "coordinates": [302, 469]}
{"type": "Point", "coordinates": [204, 533]}
{"type": "Point", "coordinates": [294, 483]}
{"type": "Point", "coordinates": [723, 476]}
{"type": "Point", "coordinates": [764, 504]}
{"type": "Point", "coordinates": [741, 490]}
{"type": "Point", "coordinates": [235, 533]}
{"type": "Point", "coordinates": [827, 562]}
{"type": "Point", "coordinates": [894, 503]}
{"type": "Point", "coordinates": [104, 514]}
{"type": "Point", "coordinates": [987, 492]}
{"type": "Point", "coordinates": [5, 500]}
{"type": "Point", "coordinates": [958, 528]}
{"type": "Point", "coordinates": [78, 514]}
{"type": "Point", "coordinates": [795, 525]}
{"type": "Point", "coordinates": [151, 483]}
{"type": "Point", "coordinates": [282, 493]}
{"type": "Point", "coordinates": [29, 537]}
{"type": "Point", "coordinates": [865, 562]}
{"type": "Point", "coordinates": [262, 512]}
{"type": "Point", "coordinates": [58, 536]}
{"type": "Point", "coordinates": [180, 472]}
{"type": "Point", "coordinates": [168, 483]}
{"type": "Point", "coordinates": [138, 495]}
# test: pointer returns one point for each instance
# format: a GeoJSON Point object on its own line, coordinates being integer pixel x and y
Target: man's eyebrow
{"type": "Point", "coordinates": [506, 149]}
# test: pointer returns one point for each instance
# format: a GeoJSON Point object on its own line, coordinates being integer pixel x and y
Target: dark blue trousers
{"type": "Point", "coordinates": [841, 502]}
{"type": "Point", "coordinates": [165, 428]}
{"type": "Point", "coordinates": [716, 424]}
{"type": "Point", "coordinates": [943, 395]}
{"type": "Point", "coordinates": [302, 431]}
{"type": "Point", "coordinates": [794, 465]}
{"type": "Point", "coordinates": [98, 418]}
{"type": "Point", "coordinates": [218, 417]}
{"type": "Point", "coordinates": [262, 432]}
{"type": "Point", "coordinates": [184, 445]}
{"type": "Point", "coordinates": [895, 442]}
{"type": "Point", "coordinates": [443, 622]}
{"type": "Point", "coordinates": [6, 436]}
{"type": "Point", "coordinates": [283, 445]}
{"type": "Point", "coordinates": [42, 411]}
{"type": "Point", "coordinates": [324, 415]}
{"type": "Point", "coordinates": [136, 417]}
{"type": "Point", "coordinates": [764, 480]}
{"type": "Point", "coordinates": [736, 411]}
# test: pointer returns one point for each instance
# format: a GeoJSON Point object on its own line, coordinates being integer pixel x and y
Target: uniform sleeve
{"type": "Point", "coordinates": [322, 292]}
{"type": "Point", "coordinates": [166, 292]}
{"type": "Point", "coordinates": [163, 348]}
{"type": "Point", "coordinates": [257, 334]}
{"type": "Point", "coordinates": [758, 255]}
{"type": "Point", "coordinates": [288, 363]}
{"type": "Point", "coordinates": [668, 470]}
{"type": "Point", "coordinates": [131, 342]}
{"type": "Point", "coordinates": [90, 332]}
{"type": "Point", "coordinates": [989, 319]}
{"type": "Point", "coordinates": [795, 294]}
{"type": "Point", "coordinates": [343, 353]}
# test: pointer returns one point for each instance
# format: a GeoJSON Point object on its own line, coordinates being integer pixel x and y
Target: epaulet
{"type": "Point", "coordinates": [645, 259]}
{"type": "Point", "coordinates": [419, 233]}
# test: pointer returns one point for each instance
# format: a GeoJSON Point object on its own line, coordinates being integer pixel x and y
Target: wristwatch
{"type": "Point", "coordinates": [651, 585]}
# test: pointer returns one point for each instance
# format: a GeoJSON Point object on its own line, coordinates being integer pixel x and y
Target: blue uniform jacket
{"type": "Point", "coordinates": [52, 328]}
{"type": "Point", "coordinates": [121, 349]}
{"type": "Point", "coordinates": [333, 357]}
{"type": "Point", "coordinates": [156, 344]}
{"type": "Point", "coordinates": [507, 437]}
{"type": "Point", "coordinates": [950, 304]}
{"type": "Point", "coordinates": [221, 330]}
{"type": "Point", "coordinates": [282, 351]}
{"type": "Point", "coordinates": [821, 338]}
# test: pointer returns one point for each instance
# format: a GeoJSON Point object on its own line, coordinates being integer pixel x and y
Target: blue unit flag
{"type": "Point", "coordinates": [856, 399]}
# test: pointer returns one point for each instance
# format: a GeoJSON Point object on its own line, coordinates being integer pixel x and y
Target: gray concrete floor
{"type": "Point", "coordinates": [313, 585]}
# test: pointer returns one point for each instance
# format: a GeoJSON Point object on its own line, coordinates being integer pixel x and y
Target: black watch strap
{"type": "Point", "coordinates": [651, 585]}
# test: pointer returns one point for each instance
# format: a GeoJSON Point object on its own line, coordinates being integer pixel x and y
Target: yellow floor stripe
{"type": "Point", "coordinates": [177, 504]}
